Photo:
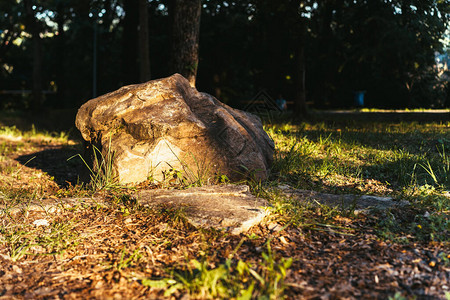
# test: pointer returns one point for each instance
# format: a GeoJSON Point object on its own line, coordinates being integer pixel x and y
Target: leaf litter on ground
{"type": "Point", "coordinates": [124, 251]}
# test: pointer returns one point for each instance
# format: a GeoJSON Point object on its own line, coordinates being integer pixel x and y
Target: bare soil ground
{"type": "Point", "coordinates": [96, 252]}
{"type": "Point", "coordinates": [326, 265]}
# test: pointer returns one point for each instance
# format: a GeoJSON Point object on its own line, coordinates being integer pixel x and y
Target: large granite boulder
{"type": "Point", "coordinates": [162, 125]}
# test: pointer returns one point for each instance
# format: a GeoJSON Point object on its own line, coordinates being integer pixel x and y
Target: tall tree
{"type": "Point", "coordinates": [287, 19]}
{"type": "Point", "coordinates": [130, 42]}
{"type": "Point", "coordinates": [185, 37]}
{"type": "Point", "coordinates": [144, 59]}
{"type": "Point", "coordinates": [300, 26]}
{"type": "Point", "coordinates": [61, 19]}
{"type": "Point", "coordinates": [33, 26]}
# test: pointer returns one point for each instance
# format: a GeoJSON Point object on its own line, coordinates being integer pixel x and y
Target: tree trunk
{"type": "Point", "coordinates": [61, 75]}
{"type": "Point", "coordinates": [300, 108]}
{"type": "Point", "coordinates": [185, 38]}
{"type": "Point", "coordinates": [33, 27]}
{"type": "Point", "coordinates": [144, 60]}
{"type": "Point", "coordinates": [130, 73]}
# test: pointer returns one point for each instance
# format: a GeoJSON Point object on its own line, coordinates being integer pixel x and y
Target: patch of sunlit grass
{"type": "Point", "coordinates": [37, 239]}
{"type": "Point", "coordinates": [12, 133]}
{"type": "Point", "coordinates": [384, 152]}
{"type": "Point", "coordinates": [406, 160]}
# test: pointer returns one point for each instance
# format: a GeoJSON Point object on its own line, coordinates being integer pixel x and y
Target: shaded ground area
{"type": "Point", "coordinates": [30, 160]}
{"type": "Point", "coordinates": [61, 163]}
{"type": "Point", "coordinates": [436, 115]}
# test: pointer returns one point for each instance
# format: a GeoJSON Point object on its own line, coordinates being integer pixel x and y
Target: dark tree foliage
{"type": "Point", "coordinates": [384, 47]}
{"type": "Point", "coordinates": [227, 66]}
{"type": "Point", "coordinates": [34, 27]}
{"type": "Point", "coordinates": [144, 57]}
{"type": "Point", "coordinates": [316, 52]}
{"type": "Point", "coordinates": [130, 25]}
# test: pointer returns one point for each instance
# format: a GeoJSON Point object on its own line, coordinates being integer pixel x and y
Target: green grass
{"type": "Point", "coordinates": [14, 132]}
{"type": "Point", "coordinates": [403, 160]}
{"type": "Point", "coordinates": [395, 156]}
{"type": "Point", "coordinates": [402, 110]}
{"type": "Point", "coordinates": [199, 173]}
{"type": "Point", "coordinates": [29, 240]}
{"type": "Point", "coordinates": [235, 279]}
{"type": "Point", "coordinates": [101, 171]}
{"type": "Point", "coordinates": [127, 259]}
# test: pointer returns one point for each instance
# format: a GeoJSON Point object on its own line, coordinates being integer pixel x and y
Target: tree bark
{"type": "Point", "coordinates": [144, 59]}
{"type": "Point", "coordinates": [185, 38]}
{"type": "Point", "coordinates": [130, 73]}
{"type": "Point", "coordinates": [61, 75]}
{"type": "Point", "coordinates": [33, 27]}
{"type": "Point", "coordinates": [300, 108]}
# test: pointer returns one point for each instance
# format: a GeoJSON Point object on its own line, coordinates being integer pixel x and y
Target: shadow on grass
{"type": "Point", "coordinates": [398, 174]}
{"type": "Point", "coordinates": [388, 116]}
{"type": "Point", "coordinates": [55, 163]}
{"type": "Point", "coordinates": [413, 142]}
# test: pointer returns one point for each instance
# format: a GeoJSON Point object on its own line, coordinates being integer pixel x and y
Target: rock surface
{"type": "Point", "coordinates": [166, 124]}
{"type": "Point", "coordinates": [357, 203]}
{"type": "Point", "coordinates": [225, 207]}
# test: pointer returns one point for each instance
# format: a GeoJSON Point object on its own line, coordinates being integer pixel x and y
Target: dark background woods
{"type": "Point", "coordinates": [60, 53]}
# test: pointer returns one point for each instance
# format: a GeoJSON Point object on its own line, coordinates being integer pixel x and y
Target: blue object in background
{"type": "Point", "coordinates": [359, 98]}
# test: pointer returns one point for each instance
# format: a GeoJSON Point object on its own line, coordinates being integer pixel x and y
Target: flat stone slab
{"type": "Point", "coordinates": [50, 206]}
{"type": "Point", "coordinates": [231, 208]}
{"type": "Point", "coordinates": [359, 203]}
{"type": "Point", "coordinates": [226, 207]}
